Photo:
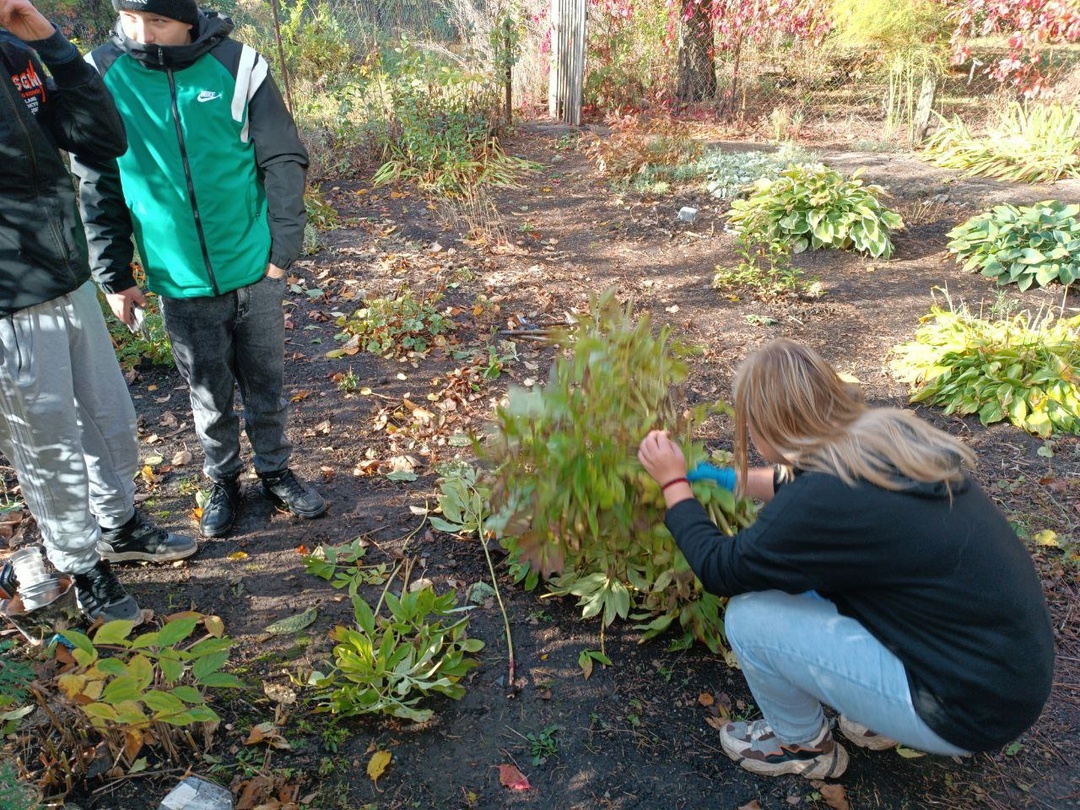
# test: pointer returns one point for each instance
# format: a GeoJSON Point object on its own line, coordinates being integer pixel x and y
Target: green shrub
{"type": "Point", "coordinates": [394, 327]}
{"type": "Point", "coordinates": [150, 343]}
{"type": "Point", "coordinates": [1031, 144]}
{"type": "Point", "coordinates": [569, 496]}
{"type": "Point", "coordinates": [1035, 244]}
{"type": "Point", "coordinates": [811, 207]}
{"type": "Point", "coordinates": [14, 793]}
{"type": "Point", "coordinates": [15, 679]}
{"type": "Point", "coordinates": [1016, 367]}
{"type": "Point", "coordinates": [626, 53]}
{"type": "Point", "coordinates": [441, 125]}
{"type": "Point", "coordinates": [387, 665]}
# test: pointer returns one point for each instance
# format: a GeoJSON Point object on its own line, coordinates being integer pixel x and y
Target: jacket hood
{"type": "Point", "coordinates": [933, 489]}
{"type": "Point", "coordinates": [921, 489]}
{"type": "Point", "coordinates": [212, 28]}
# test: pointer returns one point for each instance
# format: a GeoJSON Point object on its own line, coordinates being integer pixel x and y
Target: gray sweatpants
{"type": "Point", "coordinates": [67, 424]}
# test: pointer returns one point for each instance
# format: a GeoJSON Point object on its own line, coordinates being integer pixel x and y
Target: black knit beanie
{"type": "Point", "coordinates": [184, 11]}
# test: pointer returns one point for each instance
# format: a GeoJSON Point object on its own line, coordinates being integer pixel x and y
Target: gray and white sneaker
{"type": "Point", "coordinates": [756, 748]}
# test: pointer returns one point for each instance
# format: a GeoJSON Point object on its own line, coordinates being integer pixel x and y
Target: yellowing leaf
{"type": "Point", "coordinates": [71, 685]}
{"type": "Point", "coordinates": [378, 764]}
{"type": "Point", "coordinates": [1047, 537]}
{"type": "Point", "coordinates": [214, 626]}
{"type": "Point", "coordinates": [909, 753]}
{"type": "Point", "coordinates": [237, 556]}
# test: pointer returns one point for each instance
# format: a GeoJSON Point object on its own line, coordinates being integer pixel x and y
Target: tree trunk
{"type": "Point", "coordinates": [697, 68]}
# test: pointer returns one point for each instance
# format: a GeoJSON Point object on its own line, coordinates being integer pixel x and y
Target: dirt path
{"type": "Point", "coordinates": [634, 736]}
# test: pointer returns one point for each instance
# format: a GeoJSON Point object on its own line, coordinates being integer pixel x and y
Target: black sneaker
{"type": "Point", "coordinates": [289, 491]}
{"type": "Point", "coordinates": [101, 596]}
{"type": "Point", "coordinates": [139, 539]}
{"type": "Point", "coordinates": [219, 512]}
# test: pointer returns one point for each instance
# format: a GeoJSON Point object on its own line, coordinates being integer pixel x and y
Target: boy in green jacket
{"type": "Point", "coordinates": [212, 189]}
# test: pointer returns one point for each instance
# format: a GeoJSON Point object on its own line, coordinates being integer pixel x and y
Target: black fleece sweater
{"type": "Point", "coordinates": [945, 585]}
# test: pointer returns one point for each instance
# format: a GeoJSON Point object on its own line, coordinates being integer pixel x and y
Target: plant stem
{"type": "Point", "coordinates": [511, 668]}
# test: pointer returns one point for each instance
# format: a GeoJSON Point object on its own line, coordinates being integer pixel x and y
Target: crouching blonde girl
{"type": "Point", "coordinates": [879, 579]}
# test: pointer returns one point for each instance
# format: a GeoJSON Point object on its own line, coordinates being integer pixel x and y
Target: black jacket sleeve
{"type": "Point", "coordinates": [104, 214]}
{"type": "Point", "coordinates": [107, 222]}
{"type": "Point", "coordinates": [282, 161]}
{"type": "Point", "coordinates": [80, 112]}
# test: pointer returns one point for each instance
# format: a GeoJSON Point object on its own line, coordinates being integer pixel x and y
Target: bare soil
{"type": "Point", "coordinates": [633, 736]}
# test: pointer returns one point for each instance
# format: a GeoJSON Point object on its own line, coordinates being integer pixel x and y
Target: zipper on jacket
{"type": "Point", "coordinates": [190, 182]}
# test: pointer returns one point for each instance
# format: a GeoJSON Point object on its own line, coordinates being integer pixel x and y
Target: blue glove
{"type": "Point", "coordinates": [723, 476]}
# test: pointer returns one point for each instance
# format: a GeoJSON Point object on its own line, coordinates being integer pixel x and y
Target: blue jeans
{"type": "Point", "coordinates": [798, 652]}
{"type": "Point", "coordinates": [227, 341]}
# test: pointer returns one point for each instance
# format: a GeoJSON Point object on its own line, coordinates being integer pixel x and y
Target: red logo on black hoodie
{"type": "Point", "coordinates": [30, 87]}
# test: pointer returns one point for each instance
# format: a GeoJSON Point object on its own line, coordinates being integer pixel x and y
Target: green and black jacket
{"type": "Point", "coordinates": [212, 184]}
{"type": "Point", "coordinates": [42, 245]}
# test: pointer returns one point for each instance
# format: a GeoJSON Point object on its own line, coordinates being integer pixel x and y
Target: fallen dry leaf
{"type": "Point", "coordinates": [753, 805]}
{"type": "Point", "coordinates": [181, 458]}
{"type": "Point", "coordinates": [705, 699]}
{"type": "Point", "coordinates": [378, 764]}
{"type": "Point", "coordinates": [834, 795]}
{"type": "Point", "coordinates": [267, 733]}
{"type": "Point", "coordinates": [511, 777]}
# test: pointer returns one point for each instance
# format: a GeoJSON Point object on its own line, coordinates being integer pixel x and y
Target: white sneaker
{"type": "Point", "coordinates": [864, 737]}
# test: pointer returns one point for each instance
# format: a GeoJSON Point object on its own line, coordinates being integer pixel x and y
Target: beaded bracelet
{"type": "Point", "coordinates": [674, 481]}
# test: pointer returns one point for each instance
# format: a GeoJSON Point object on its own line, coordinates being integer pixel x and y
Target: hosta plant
{"type": "Point", "coordinates": [1028, 245]}
{"type": "Point", "coordinates": [1017, 367]}
{"type": "Point", "coordinates": [389, 664]}
{"type": "Point", "coordinates": [570, 501]}
{"type": "Point", "coordinates": [1031, 144]}
{"type": "Point", "coordinates": [812, 207]}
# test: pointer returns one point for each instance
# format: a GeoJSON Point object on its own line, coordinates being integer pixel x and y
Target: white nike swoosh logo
{"type": "Point", "coordinates": [208, 95]}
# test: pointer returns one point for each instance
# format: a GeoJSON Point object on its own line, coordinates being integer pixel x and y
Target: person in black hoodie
{"type": "Point", "coordinates": [67, 424]}
{"type": "Point", "coordinates": [878, 578]}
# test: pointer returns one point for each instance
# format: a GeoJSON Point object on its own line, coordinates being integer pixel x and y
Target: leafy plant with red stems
{"type": "Point", "coordinates": [1028, 25]}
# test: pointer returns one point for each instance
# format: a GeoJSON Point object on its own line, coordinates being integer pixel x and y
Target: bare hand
{"type": "Point", "coordinates": [121, 303]}
{"type": "Point", "coordinates": [24, 21]}
{"type": "Point", "coordinates": [661, 457]}
{"type": "Point", "coordinates": [273, 271]}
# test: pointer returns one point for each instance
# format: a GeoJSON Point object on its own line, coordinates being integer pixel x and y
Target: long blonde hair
{"type": "Point", "coordinates": [816, 421]}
